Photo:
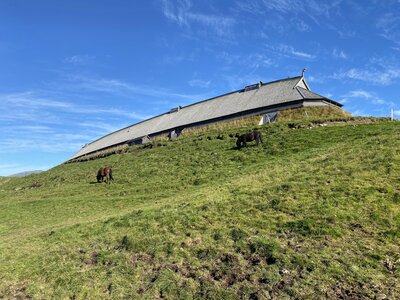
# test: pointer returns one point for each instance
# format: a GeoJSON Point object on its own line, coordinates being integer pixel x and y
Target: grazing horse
{"type": "Point", "coordinates": [105, 172]}
{"type": "Point", "coordinates": [248, 137]}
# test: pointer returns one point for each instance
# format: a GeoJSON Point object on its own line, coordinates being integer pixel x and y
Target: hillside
{"type": "Point", "coordinates": [312, 213]}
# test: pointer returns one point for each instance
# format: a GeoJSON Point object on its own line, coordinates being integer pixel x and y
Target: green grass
{"type": "Point", "coordinates": [310, 214]}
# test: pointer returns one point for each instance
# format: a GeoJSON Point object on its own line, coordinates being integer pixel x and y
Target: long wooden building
{"type": "Point", "coordinates": [257, 99]}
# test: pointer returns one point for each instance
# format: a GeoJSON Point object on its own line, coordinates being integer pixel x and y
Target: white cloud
{"type": "Point", "coordinates": [127, 89]}
{"type": "Point", "coordinates": [199, 83]}
{"type": "Point", "coordinates": [339, 54]}
{"type": "Point", "coordinates": [47, 144]}
{"type": "Point", "coordinates": [29, 99]}
{"type": "Point", "coordinates": [104, 126]}
{"type": "Point", "coordinates": [176, 13]}
{"type": "Point", "coordinates": [316, 79]}
{"type": "Point", "coordinates": [222, 25]}
{"type": "Point", "coordinates": [302, 26]}
{"type": "Point", "coordinates": [380, 77]}
{"type": "Point", "coordinates": [360, 94]}
{"type": "Point", "coordinates": [33, 128]}
{"type": "Point", "coordinates": [78, 59]}
{"type": "Point", "coordinates": [360, 113]}
{"type": "Point", "coordinates": [252, 61]}
{"type": "Point", "coordinates": [39, 123]}
{"type": "Point", "coordinates": [312, 8]}
{"type": "Point", "coordinates": [371, 97]}
{"type": "Point", "coordinates": [289, 51]}
{"type": "Point", "coordinates": [33, 106]}
{"type": "Point", "coordinates": [389, 24]}
{"type": "Point", "coordinates": [182, 14]}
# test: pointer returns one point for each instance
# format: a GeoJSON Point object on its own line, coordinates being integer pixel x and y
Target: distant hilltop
{"type": "Point", "coordinates": [26, 173]}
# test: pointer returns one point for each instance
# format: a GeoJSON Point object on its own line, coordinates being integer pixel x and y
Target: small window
{"type": "Point", "coordinates": [175, 109]}
{"type": "Point", "coordinates": [251, 87]}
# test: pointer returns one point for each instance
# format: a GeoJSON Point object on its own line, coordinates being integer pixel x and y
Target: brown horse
{"type": "Point", "coordinates": [105, 172]}
{"type": "Point", "coordinates": [248, 137]}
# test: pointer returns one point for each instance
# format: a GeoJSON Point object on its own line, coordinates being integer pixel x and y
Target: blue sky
{"type": "Point", "coordinates": [73, 71]}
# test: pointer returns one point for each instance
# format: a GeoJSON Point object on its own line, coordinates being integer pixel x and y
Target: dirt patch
{"type": "Point", "coordinates": [145, 258]}
{"type": "Point", "coordinates": [17, 292]}
{"type": "Point", "coordinates": [34, 185]}
{"type": "Point", "coordinates": [228, 270]}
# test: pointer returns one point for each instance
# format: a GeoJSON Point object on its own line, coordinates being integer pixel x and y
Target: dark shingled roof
{"type": "Point", "coordinates": [254, 97]}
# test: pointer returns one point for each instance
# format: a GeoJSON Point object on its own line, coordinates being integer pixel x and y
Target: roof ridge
{"type": "Point", "coordinates": [311, 92]}
{"type": "Point", "coordinates": [239, 91]}
{"type": "Point", "coordinates": [299, 91]}
{"type": "Point", "coordinates": [299, 88]}
{"type": "Point", "coordinates": [279, 80]}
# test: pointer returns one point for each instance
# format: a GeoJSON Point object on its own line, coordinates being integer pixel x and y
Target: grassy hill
{"type": "Point", "coordinates": [312, 213]}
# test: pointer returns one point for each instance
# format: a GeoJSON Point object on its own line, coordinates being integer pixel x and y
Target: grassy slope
{"type": "Point", "coordinates": [313, 213]}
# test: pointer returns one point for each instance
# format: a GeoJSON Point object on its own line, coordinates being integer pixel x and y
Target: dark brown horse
{"type": "Point", "coordinates": [105, 172]}
{"type": "Point", "coordinates": [248, 137]}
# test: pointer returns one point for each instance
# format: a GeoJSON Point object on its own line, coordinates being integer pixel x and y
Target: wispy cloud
{"type": "Point", "coordinates": [105, 127]}
{"type": "Point", "coordinates": [252, 61]}
{"type": "Point", "coordinates": [29, 99]}
{"type": "Point", "coordinates": [199, 83]}
{"type": "Point", "coordinates": [302, 26]}
{"type": "Point", "coordinates": [319, 78]}
{"type": "Point", "coordinates": [32, 106]}
{"type": "Point", "coordinates": [301, 15]}
{"type": "Point", "coordinates": [127, 89]}
{"type": "Point", "coordinates": [359, 112]}
{"type": "Point", "coordinates": [380, 77]}
{"type": "Point", "coordinates": [291, 52]}
{"type": "Point", "coordinates": [54, 123]}
{"type": "Point", "coordinates": [312, 8]}
{"type": "Point", "coordinates": [44, 143]}
{"type": "Point", "coordinates": [389, 24]}
{"type": "Point", "coordinates": [78, 59]}
{"type": "Point", "coordinates": [339, 54]}
{"type": "Point", "coordinates": [40, 123]}
{"type": "Point", "coordinates": [371, 97]}
{"type": "Point", "coordinates": [182, 13]}
{"type": "Point", "coordinates": [33, 129]}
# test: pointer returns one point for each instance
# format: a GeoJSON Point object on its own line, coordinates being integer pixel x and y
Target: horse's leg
{"type": "Point", "coordinates": [98, 176]}
{"type": "Point", "coordinates": [111, 177]}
